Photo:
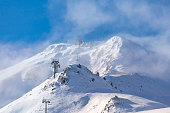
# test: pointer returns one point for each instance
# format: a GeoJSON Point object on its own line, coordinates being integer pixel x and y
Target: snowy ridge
{"type": "Point", "coordinates": [136, 84]}
{"type": "Point", "coordinates": [114, 59]}
{"type": "Point", "coordinates": [26, 73]}
{"type": "Point", "coordinates": [78, 92]}
{"type": "Point", "coordinates": [80, 79]}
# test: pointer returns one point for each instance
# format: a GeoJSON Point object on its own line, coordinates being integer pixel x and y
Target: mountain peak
{"type": "Point", "coordinates": [77, 90]}
{"type": "Point", "coordinates": [115, 39]}
{"type": "Point", "coordinates": [114, 56]}
{"type": "Point", "coordinates": [80, 79]}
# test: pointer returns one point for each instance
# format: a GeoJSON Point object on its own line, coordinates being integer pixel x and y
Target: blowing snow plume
{"type": "Point", "coordinates": [77, 90]}
{"type": "Point", "coordinates": [115, 56]}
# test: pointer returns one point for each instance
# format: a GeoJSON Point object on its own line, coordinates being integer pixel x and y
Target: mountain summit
{"type": "Point", "coordinates": [114, 61]}
{"type": "Point", "coordinates": [77, 90]}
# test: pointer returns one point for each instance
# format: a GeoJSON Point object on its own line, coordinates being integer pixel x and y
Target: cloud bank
{"type": "Point", "coordinates": [87, 18]}
{"type": "Point", "coordinates": [12, 53]}
{"type": "Point", "coordinates": [145, 22]}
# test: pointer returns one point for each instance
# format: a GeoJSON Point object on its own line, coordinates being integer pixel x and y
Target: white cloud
{"type": "Point", "coordinates": [12, 53]}
{"type": "Point", "coordinates": [143, 12]}
{"type": "Point", "coordinates": [157, 60]}
{"type": "Point", "coordinates": [78, 17]}
{"type": "Point", "coordinates": [86, 14]}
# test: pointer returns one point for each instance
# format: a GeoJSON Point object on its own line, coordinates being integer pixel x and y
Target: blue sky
{"type": "Point", "coordinates": [25, 20]}
{"type": "Point", "coordinates": [28, 26]}
{"type": "Point", "coordinates": [57, 20]}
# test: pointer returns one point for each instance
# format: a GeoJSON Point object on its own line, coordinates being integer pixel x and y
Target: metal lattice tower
{"type": "Point", "coordinates": [56, 65]}
{"type": "Point", "coordinates": [46, 101]}
{"type": "Point", "coordinates": [79, 42]}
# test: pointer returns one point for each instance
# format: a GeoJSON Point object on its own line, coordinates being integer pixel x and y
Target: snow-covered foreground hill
{"type": "Point", "coordinates": [115, 59]}
{"type": "Point", "coordinates": [77, 90]}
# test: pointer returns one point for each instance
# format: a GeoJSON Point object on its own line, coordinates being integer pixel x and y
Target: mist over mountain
{"type": "Point", "coordinates": [124, 67]}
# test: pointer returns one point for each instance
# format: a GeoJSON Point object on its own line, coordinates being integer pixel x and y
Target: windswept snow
{"type": "Point", "coordinates": [161, 110]}
{"type": "Point", "coordinates": [80, 91]}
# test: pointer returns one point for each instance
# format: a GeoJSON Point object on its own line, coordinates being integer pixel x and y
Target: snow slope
{"type": "Point", "coordinates": [161, 110]}
{"type": "Point", "coordinates": [77, 90]}
{"type": "Point", "coordinates": [114, 56]}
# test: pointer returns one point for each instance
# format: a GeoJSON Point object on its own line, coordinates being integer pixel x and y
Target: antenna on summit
{"type": "Point", "coordinates": [56, 65]}
{"type": "Point", "coordinates": [79, 42]}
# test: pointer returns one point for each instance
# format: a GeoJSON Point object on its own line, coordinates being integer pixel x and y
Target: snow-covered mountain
{"type": "Point", "coordinates": [77, 90]}
{"type": "Point", "coordinates": [114, 59]}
